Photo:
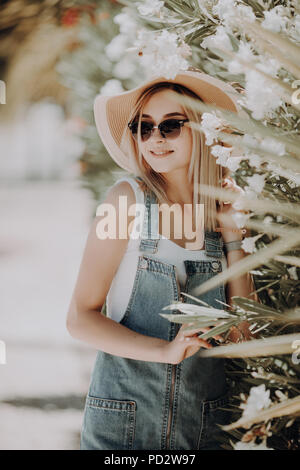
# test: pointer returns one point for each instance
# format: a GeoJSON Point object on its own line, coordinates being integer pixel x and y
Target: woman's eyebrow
{"type": "Point", "coordinates": [166, 115]}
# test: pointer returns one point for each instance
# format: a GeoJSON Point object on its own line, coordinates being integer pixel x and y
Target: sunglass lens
{"type": "Point", "coordinates": [146, 129]}
{"type": "Point", "coordinates": [170, 128]}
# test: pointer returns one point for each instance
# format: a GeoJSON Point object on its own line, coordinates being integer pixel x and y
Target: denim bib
{"type": "Point", "coordinates": [141, 405]}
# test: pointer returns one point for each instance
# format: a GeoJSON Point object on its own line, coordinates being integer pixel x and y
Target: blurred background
{"type": "Point", "coordinates": [54, 59]}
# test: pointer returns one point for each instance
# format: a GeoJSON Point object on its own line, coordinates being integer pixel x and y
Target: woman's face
{"type": "Point", "coordinates": [156, 109]}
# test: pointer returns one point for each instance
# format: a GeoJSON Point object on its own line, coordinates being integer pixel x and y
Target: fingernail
{"type": "Point", "coordinates": [187, 339]}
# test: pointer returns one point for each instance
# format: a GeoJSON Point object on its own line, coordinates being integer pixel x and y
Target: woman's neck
{"type": "Point", "coordinates": [179, 190]}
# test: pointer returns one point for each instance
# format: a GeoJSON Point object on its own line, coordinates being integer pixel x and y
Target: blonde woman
{"type": "Point", "coordinates": [149, 389]}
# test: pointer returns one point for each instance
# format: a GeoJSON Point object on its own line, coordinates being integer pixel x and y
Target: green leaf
{"type": "Point", "coordinates": [179, 8]}
{"type": "Point", "coordinates": [182, 318]}
{"type": "Point", "coordinates": [275, 345]}
{"type": "Point", "coordinates": [217, 330]}
{"type": "Point", "coordinates": [255, 307]}
{"type": "Point", "coordinates": [196, 309]}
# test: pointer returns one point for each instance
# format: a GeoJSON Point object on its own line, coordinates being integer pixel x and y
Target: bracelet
{"type": "Point", "coordinates": [234, 245]}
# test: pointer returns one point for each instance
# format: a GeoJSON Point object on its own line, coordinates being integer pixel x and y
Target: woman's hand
{"type": "Point", "coordinates": [186, 344]}
{"type": "Point", "coordinates": [225, 212]}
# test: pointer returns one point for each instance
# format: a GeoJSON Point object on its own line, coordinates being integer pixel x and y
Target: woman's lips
{"type": "Point", "coordinates": [165, 154]}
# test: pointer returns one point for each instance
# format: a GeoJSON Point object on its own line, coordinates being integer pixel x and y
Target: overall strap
{"type": "Point", "coordinates": [150, 235]}
{"type": "Point", "coordinates": [213, 242]}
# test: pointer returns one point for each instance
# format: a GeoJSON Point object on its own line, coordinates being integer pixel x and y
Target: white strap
{"type": "Point", "coordinates": [140, 206]}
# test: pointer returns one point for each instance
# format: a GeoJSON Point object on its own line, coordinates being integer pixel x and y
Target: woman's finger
{"type": "Point", "coordinates": [195, 341]}
{"type": "Point", "coordinates": [217, 337]}
{"type": "Point", "coordinates": [191, 332]}
{"type": "Point", "coordinates": [197, 330]}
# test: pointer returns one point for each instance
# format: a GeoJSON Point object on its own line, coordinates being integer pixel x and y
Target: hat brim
{"type": "Point", "coordinates": [112, 112]}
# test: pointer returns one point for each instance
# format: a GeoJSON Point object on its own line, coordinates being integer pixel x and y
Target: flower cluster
{"type": "Point", "coordinates": [258, 399]}
{"type": "Point", "coordinates": [162, 54]}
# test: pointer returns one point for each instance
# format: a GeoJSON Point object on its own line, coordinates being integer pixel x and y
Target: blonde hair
{"type": "Point", "coordinates": [203, 168]}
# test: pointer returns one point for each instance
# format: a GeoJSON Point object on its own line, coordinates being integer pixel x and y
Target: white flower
{"type": "Point", "coordinates": [244, 11]}
{"type": "Point", "coordinates": [219, 40]}
{"type": "Point", "coordinates": [222, 154]}
{"type": "Point", "coordinates": [293, 272]}
{"type": "Point", "coordinates": [245, 53]}
{"type": "Point", "coordinates": [250, 140]}
{"type": "Point", "coordinates": [210, 124]}
{"type": "Point", "coordinates": [250, 193]}
{"type": "Point", "coordinates": [272, 146]}
{"type": "Point", "coordinates": [124, 68]}
{"type": "Point", "coordinates": [256, 182]}
{"type": "Point", "coordinates": [149, 7]}
{"type": "Point", "coordinates": [280, 395]}
{"type": "Point", "coordinates": [240, 219]}
{"type": "Point", "coordinates": [116, 47]}
{"type": "Point", "coordinates": [250, 446]}
{"type": "Point", "coordinates": [258, 399]}
{"type": "Point", "coordinates": [254, 160]}
{"type": "Point", "coordinates": [127, 24]}
{"type": "Point", "coordinates": [225, 156]}
{"type": "Point", "coordinates": [160, 53]}
{"type": "Point", "coordinates": [269, 65]}
{"type": "Point", "coordinates": [294, 180]}
{"type": "Point", "coordinates": [228, 11]}
{"type": "Point", "coordinates": [241, 202]}
{"type": "Point", "coordinates": [268, 144]}
{"type": "Point", "coordinates": [261, 96]}
{"type": "Point", "coordinates": [224, 9]}
{"type": "Point", "coordinates": [248, 244]}
{"type": "Point", "coordinates": [111, 87]}
{"type": "Point", "coordinates": [294, 28]}
{"type": "Point", "coordinates": [233, 163]}
{"type": "Point", "coordinates": [268, 219]}
{"type": "Point", "coordinates": [275, 19]}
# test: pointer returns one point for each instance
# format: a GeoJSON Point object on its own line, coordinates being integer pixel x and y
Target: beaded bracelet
{"type": "Point", "coordinates": [234, 245]}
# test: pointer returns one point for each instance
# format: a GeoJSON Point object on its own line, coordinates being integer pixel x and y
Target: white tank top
{"type": "Point", "coordinates": [168, 252]}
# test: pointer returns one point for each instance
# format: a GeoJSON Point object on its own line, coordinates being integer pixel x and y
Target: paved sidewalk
{"type": "Point", "coordinates": [47, 372]}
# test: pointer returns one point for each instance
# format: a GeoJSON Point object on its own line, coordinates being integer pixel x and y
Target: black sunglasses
{"type": "Point", "coordinates": [170, 128]}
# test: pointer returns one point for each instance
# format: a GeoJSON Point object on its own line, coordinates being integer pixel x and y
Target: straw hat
{"type": "Point", "coordinates": [112, 112]}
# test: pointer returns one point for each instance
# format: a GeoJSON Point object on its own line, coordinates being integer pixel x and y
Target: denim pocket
{"type": "Point", "coordinates": [215, 413]}
{"type": "Point", "coordinates": [108, 424]}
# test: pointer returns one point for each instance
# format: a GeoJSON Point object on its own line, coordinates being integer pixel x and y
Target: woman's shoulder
{"type": "Point", "coordinates": [131, 184]}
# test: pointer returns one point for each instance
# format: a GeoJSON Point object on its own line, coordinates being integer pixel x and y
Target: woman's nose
{"type": "Point", "coordinates": [156, 134]}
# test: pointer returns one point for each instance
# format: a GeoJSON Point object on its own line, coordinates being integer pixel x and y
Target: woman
{"type": "Point", "coordinates": [148, 389]}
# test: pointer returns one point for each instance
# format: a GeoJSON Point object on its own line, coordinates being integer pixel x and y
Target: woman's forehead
{"type": "Point", "coordinates": [163, 103]}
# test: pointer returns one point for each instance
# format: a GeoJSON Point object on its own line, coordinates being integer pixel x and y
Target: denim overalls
{"type": "Point", "coordinates": [134, 404]}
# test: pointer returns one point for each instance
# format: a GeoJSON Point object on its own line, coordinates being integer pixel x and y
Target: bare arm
{"type": "Point", "coordinates": [243, 285]}
{"type": "Point", "coordinates": [85, 322]}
